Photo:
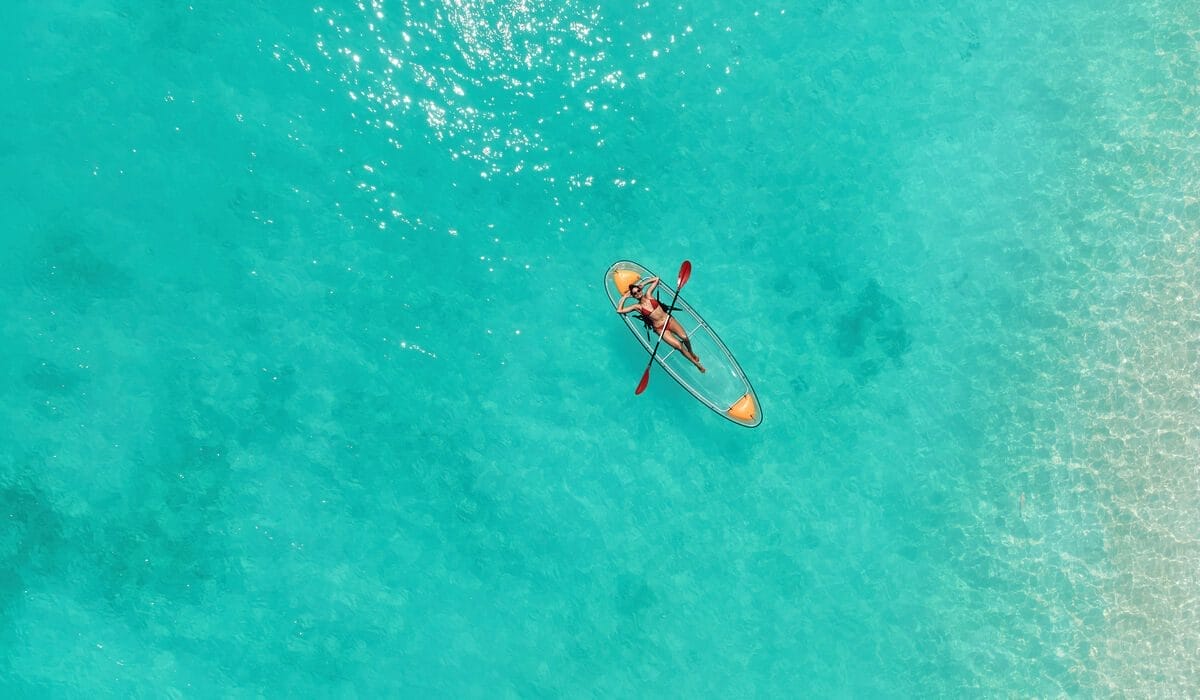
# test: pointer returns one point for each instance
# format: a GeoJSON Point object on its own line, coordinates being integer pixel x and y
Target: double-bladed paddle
{"type": "Point", "coordinates": [685, 271]}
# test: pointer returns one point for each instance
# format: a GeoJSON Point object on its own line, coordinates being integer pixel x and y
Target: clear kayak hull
{"type": "Point", "coordinates": [724, 387]}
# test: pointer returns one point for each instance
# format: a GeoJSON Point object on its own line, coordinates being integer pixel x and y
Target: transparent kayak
{"type": "Point", "coordinates": [724, 387]}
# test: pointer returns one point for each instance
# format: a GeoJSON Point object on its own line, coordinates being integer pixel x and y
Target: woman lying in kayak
{"type": "Point", "coordinates": [656, 317]}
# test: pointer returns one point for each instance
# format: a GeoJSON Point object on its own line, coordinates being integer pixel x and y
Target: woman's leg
{"type": "Point", "coordinates": [675, 327]}
{"type": "Point", "coordinates": [672, 336]}
{"type": "Point", "coordinates": [673, 341]}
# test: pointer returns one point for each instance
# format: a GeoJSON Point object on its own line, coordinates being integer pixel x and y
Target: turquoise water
{"type": "Point", "coordinates": [311, 387]}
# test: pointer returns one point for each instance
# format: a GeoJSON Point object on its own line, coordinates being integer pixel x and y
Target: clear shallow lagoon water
{"type": "Point", "coordinates": [311, 387]}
